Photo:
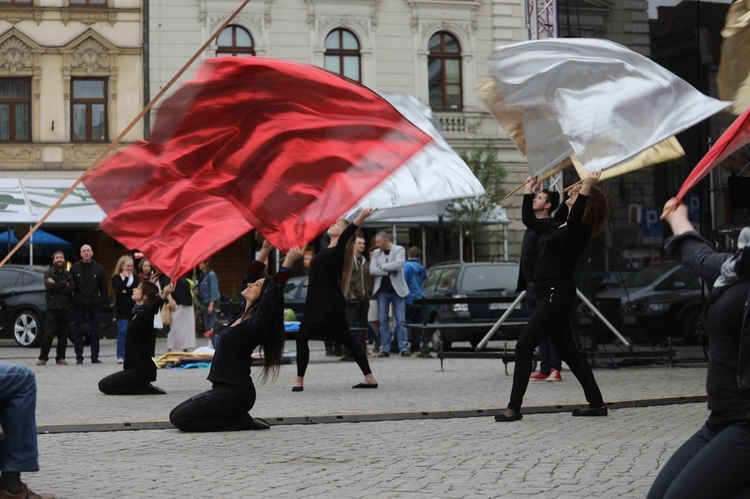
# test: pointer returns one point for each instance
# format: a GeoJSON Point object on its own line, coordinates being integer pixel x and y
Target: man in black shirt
{"type": "Point", "coordinates": [544, 204]}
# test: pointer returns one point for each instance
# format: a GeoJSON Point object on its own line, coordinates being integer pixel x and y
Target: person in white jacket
{"type": "Point", "coordinates": [387, 266]}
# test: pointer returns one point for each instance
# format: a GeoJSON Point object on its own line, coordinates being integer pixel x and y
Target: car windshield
{"type": "Point", "coordinates": [489, 278]}
{"type": "Point", "coordinates": [648, 275]}
{"type": "Point", "coordinates": [290, 290]}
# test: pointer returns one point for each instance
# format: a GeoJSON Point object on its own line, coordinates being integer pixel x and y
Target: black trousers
{"type": "Point", "coordinates": [79, 313]}
{"type": "Point", "coordinates": [128, 382]}
{"type": "Point", "coordinates": [315, 331]}
{"type": "Point", "coordinates": [356, 316]}
{"type": "Point", "coordinates": [223, 408]}
{"type": "Point", "coordinates": [552, 320]}
{"type": "Point", "coordinates": [56, 324]}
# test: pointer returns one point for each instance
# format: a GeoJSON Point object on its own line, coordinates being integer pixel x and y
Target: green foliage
{"type": "Point", "coordinates": [467, 216]}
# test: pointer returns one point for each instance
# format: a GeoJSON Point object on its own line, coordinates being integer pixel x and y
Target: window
{"type": "Point", "coordinates": [88, 3]}
{"type": "Point", "coordinates": [16, 2]}
{"type": "Point", "coordinates": [15, 110]}
{"type": "Point", "coordinates": [235, 41]}
{"type": "Point", "coordinates": [342, 54]}
{"type": "Point", "coordinates": [88, 101]}
{"type": "Point", "coordinates": [444, 71]}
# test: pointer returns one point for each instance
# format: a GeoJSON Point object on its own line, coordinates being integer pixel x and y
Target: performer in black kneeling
{"type": "Point", "coordinates": [226, 406]}
{"type": "Point", "coordinates": [139, 370]}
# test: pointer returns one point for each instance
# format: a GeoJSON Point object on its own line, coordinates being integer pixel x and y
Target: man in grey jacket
{"type": "Point", "coordinates": [387, 266]}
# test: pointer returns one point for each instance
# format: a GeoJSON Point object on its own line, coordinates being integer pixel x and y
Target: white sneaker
{"type": "Point", "coordinates": [554, 375]}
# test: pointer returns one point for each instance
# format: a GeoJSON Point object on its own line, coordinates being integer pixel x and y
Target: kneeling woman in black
{"type": "Point", "coordinates": [139, 370]}
{"type": "Point", "coordinates": [225, 407]}
{"type": "Point", "coordinates": [560, 244]}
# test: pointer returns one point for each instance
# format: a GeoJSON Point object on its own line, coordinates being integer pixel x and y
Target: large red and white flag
{"type": "Point", "coordinates": [736, 136]}
{"type": "Point", "coordinates": [592, 98]}
{"type": "Point", "coordinates": [251, 143]}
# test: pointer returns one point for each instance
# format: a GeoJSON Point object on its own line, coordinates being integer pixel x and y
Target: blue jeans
{"type": "Point", "coordinates": [385, 298]}
{"type": "Point", "coordinates": [122, 331]}
{"type": "Point", "coordinates": [18, 452]}
{"type": "Point", "coordinates": [208, 322]}
{"type": "Point", "coordinates": [709, 464]}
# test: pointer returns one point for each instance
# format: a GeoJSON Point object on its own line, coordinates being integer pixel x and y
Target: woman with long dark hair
{"type": "Point", "coordinates": [560, 244]}
{"type": "Point", "coordinates": [139, 369]}
{"type": "Point", "coordinates": [715, 461]}
{"type": "Point", "coordinates": [325, 306]}
{"type": "Point", "coordinates": [261, 324]}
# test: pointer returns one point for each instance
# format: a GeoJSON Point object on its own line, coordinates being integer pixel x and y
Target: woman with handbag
{"type": "Point", "coordinates": [261, 324]}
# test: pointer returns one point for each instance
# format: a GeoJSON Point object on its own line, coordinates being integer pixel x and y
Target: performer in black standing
{"type": "Point", "coordinates": [226, 406]}
{"type": "Point", "coordinates": [560, 245]}
{"type": "Point", "coordinates": [325, 306]}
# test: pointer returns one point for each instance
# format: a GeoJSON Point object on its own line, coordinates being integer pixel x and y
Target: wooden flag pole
{"type": "Point", "coordinates": [572, 185]}
{"type": "Point", "coordinates": [127, 129]}
{"type": "Point", "coordinates": [515, 190]}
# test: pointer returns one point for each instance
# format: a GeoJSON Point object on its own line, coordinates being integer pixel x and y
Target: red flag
{"type": "Point", "coordinates": [279, 146]}
{"type": "Point", "coordinates": [736, 136]}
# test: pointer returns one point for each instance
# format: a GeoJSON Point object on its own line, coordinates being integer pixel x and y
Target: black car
{"type": "Point", "coordinates": [473, 280]}
{"type": "Point", "coordinates": [23, 305]}
{"type": "Point", "coordinates": [666, 314]}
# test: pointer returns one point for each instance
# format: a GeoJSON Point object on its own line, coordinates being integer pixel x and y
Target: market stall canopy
{"type": "Point", "coordinates": [25, 201]}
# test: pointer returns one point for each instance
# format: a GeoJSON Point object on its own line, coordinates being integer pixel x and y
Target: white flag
{"type": "Point", "coordinates": [431, 177]}
{"type": "Point", "coordinates": [594, 98]}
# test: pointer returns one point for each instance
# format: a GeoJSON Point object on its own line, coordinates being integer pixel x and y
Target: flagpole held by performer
{"type": "Point", "coordinates": [261, 324]}
{"type": "Point", "coordinates": [560, 244]}
{"type": "Point", "coordinates": [325, 306]}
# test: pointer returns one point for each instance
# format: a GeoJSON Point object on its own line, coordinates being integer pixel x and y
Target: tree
{"type": "Point", "coordinates": [469, 215]}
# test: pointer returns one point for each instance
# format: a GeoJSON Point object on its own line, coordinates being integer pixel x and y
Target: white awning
{"type": "Point", "coordinates": [25, 201]}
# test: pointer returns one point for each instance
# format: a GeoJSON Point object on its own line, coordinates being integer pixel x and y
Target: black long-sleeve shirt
{"type": "Point", "coordinates": [559, 246]}
{"type": "Point", "coordinates": [140, 340]}
{"type": "Point", "coordinates": [325, 303]}
{"type": "Point", "coordinates": [232, 358]}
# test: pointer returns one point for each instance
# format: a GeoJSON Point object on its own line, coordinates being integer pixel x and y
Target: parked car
{"type": "Point", "coordinates": [469, 280]}
{"type": "Point", "coordinates": [648, 285]}
{"type": "Point", "coordinates": [655, 317]}
{"type": "Point", "coordinates": [23, 305]}
{"type": "Point", "coordinates": [295, 293]}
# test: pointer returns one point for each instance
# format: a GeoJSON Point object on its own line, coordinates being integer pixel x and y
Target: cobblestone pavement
{"type": "Point", "coordinates": [544, 455]}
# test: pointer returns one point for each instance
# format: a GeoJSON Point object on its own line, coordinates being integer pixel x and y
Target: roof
{"type": "Point", "coordinates": [26, 201]}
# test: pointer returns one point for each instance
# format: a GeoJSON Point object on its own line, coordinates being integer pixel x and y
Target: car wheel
{"type": "Point", "coordinates": [437, 338]}
{"type": "Point", "coordinates": [692, 328]}
{"type": "Point", "coordinates": [27, 329]}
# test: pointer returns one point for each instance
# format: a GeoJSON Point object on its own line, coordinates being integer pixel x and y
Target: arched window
{"type": "Point", "coordinates": [444, 70]}
{"type": "Point", "coordinates": [342, 54]}
{"type": "Point", "coordinates": [235, 41]}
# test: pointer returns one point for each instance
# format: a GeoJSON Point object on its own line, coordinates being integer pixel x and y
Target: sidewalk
{"type": "Point", "coordinates": [549, 455]}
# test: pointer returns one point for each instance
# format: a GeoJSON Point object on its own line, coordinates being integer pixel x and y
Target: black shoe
{"type": "Point", "coordinates": [591, 411]}
{"type": "Point", "coordinates": [502, 418]}
{"type": "Point", "coordinates": [150, 389]}
{"type": "Point", "coordinates": [384, 354]}
{"type": "Point", "coordinates": [406, 353]}
{"type": "Point", "coordinates": [258, 424]}
{"type": "Point", "coordinates": [79, 361]}
{"type": "Point", "coordinates": [298, 388]}
{"type": "Point", "coordinates": [96, 361]}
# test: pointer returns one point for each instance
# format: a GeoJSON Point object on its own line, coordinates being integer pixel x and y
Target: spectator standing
{"type": "Point", "coordinates": [182, 331]}
{"type": "Point", "coordinates": [544, 203]}
{"type": "Point", "coordinates": [372, 311]}
{"type": "Point", "coordinates": [58, 283]}
{"type": "Point", "coordinates": [208, 296]}
{"type": "Point", "coordinates": [360, 290]}
{"type": "Point", "coordinates": [415, 276]}
{"type": "Point", "coordinates": [18, 448]}
{"type": "Point", "coordinates": [89, 294]}
{"type": "Point", "coordinates": [124, 281]}
{"type": "Point", "coordinates": [390, 288]}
